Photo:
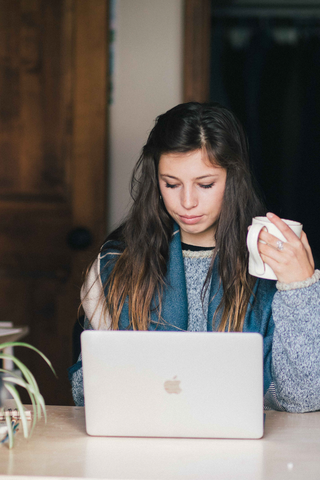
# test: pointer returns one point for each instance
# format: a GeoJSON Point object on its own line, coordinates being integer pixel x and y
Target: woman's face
{"type": "Point", "coordinates": [192, 190]}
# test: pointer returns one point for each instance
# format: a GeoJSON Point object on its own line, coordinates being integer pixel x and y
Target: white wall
{"type": "Point", "coordinates": [147, 81]}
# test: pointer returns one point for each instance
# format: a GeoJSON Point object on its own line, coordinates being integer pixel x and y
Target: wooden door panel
{"type": "Point", "coordinates": [34, 238]}
{"type": "Point", "coordinates": [33, 110]}
{"type": "Point", "coordinates": [33, 302]}
{"type": "Point", "coordinates": [14, 297]}
{"type": "Point", "coordinates": [53, 124]}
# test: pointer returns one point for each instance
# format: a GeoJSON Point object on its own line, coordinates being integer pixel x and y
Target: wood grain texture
{"type": "Point", "coordinates": [196, 50]}
{"type": "Point", "coordinates": [90, 110]}
{"type": "Point", "coordinates": [53, 143]}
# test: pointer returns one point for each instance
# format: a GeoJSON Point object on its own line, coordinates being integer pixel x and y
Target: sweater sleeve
{"type": "Point", "coordinates": [91, 298]}
{"type": "Point", "coordinates": [91, 293]}
{"type": "Point", "coordinates": [296, 349]}
{"type": "Point", "coordinates": [76, 375]}
{"type": "Point", "coordinates": [76, 380]}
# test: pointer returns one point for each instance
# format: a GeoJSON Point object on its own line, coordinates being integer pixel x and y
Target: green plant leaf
{"type": "Point", "coordinates": [15, 394]}
{"type": "Point", "coordinates": [28, 382]}
{"type": "Point", "coordinates": [32, 387]}
{"type": "Point", "coordinates": [27, 345]}
{"type": "Point", "coordinates": [31, 395]}
{"type": "Point", "coordinates": [10, 431]}
{"type": "Point", "coordinates": [25, 371]}
{"type": "Point", "coordinates": [21, 383]}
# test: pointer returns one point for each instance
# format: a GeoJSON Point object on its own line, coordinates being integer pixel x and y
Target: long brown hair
{"type": "Point", "coordinates": [143, 239]}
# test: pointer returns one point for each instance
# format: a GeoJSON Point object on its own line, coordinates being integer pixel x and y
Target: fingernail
{"type": "Point", "coordinates": [269, 215]}
{"type": "Point", "coordinates": [265, 229]}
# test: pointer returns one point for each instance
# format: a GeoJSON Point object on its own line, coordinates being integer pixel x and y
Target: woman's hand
{"type": "Point", "coordinates": [294, 263]}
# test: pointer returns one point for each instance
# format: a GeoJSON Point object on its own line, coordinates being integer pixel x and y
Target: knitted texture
{"type": "Point", "coordinates": [77, 385]}
{"type": "Point", "coordinates": [303, 284]}
{"type": "Point", "coordinates": [196, 266]}
{"type": "Point", "coordinates": [296, 346]}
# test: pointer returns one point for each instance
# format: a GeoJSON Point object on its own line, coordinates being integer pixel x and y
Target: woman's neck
{"type": "Point", "coordinates": [200, 240]}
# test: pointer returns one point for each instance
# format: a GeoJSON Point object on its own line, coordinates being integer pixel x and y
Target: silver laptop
{"type": "Point", "coordinates": [173, 384]}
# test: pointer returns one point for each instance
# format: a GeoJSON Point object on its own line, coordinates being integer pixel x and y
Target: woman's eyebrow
{"type": "Point", "coordinates": [211, 175]}
{"type": "Point", "coordinates": [167, 175]}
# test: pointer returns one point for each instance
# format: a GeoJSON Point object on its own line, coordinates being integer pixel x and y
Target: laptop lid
{"type": "Point", "coordinates": [173, 384]}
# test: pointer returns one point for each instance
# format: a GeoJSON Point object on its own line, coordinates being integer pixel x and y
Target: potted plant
{"type": "Point", "coordinates": [27, 381]}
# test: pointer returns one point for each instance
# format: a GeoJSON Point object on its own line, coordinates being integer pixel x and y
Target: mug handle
{"type": "Point", "coordinates": [252, 244]}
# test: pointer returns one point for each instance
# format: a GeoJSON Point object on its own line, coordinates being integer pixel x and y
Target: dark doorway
{"type": "Point", "coordinates": [265, 66]}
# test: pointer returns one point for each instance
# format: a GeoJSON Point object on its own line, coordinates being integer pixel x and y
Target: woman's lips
{"type": "Point", "coordinates": [190, 220]}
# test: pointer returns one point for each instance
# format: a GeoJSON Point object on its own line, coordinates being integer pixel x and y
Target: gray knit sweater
{"type": "Point", "coordinates": [196, 266]}
{"type": "Point", "coordinates": [295, 347]}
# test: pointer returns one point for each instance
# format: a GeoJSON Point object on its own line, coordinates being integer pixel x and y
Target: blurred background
{"type": "Point", "coordinates": [81, 82]}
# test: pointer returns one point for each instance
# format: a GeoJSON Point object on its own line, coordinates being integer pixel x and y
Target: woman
{"type": "Point", "coordinates": [179, 260]}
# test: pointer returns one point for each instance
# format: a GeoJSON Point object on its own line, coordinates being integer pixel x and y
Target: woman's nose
{"type": "Point", "coordinates": [188, 198]}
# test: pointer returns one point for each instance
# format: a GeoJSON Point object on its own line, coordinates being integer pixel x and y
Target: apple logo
{"type": "Point", "coordinates": [172, 386]}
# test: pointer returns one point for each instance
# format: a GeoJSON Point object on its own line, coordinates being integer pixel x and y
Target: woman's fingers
{"type": "Point", "coordinates": [291, 260]}
{"type": "Point", "coordinates": [305, 243]}
{"type": "Point", "coordinates": [270, 253]}
{"type": "Point", "coordinates": [287, 267]}
{"type": "Point", "coordinates": [267, 238]}
{"type": "Point", "coordinates": [286, 231]}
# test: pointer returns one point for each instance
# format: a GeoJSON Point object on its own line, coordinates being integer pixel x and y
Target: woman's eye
{"type": "Point", "coordinates": [169, 185]}
{"type": "Point", "coordinates": [207, 186]}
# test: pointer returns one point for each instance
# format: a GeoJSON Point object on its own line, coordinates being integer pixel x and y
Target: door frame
{"type": "Point", "coordinates": [196, 61]}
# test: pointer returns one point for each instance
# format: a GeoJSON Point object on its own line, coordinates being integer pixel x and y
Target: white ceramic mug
{"type": "Point", "coordinates": [257, 267]}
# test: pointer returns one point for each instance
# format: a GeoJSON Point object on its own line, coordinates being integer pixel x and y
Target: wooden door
{"type": "Point", "coordinates": [53, 124]}
{"type": "Point", "coordinates": [197, 20]}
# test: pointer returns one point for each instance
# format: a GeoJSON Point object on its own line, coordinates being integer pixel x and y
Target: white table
{"type": "Point", "coordinates": [290, 449]}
